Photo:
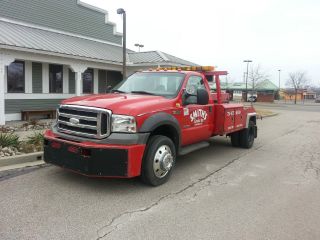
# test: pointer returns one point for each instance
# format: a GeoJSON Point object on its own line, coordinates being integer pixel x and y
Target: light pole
{"type": "Point", "coordinates": [139, 46]}
{"type": "Point", "coordinates": [227, 81]}
{"type": "Point", "coordinates": [124, 47]}
{"type": "Point", "coordinates": [279, 82]}
{"type": "Point", "coordinates": [247, 61]}
{"type": "Point", "coordinates": [279, 78]}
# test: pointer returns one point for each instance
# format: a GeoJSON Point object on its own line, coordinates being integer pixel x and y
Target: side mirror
{"type": "Point", "coordinates": [187, 97]}
{"type": "Point", "coordinates": [108, 89]}
{"type": "Point", "coordinates": [202, 97]}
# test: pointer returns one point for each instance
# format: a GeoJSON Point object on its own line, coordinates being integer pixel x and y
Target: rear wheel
{"type": "Point", "coordinates": [158, 161]}
{"type": "Point", "coordinates": [247, 136]}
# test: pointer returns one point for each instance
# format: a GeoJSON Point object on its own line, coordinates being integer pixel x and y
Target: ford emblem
{"type": "Point", "coordinates": [74, 121]}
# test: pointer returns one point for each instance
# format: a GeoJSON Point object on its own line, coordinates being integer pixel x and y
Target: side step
{"type": "Point", "coordinates": [193, 147]}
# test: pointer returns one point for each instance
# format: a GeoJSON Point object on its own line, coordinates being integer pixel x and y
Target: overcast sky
{"type": "Point", "coordinates": [277, 34]}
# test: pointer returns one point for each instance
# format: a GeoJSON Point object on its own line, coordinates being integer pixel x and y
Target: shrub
{"type": "Point", "coordinates": [28, 148]}
{"type": "Point", "coordinates": [9, 140]}
{"type": "Point", "coordinates": [36, 140]}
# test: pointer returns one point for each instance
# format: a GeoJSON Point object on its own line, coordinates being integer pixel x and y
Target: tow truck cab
{"type": "Point", "coordinates": [140, 127]}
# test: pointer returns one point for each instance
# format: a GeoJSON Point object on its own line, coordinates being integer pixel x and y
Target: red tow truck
{"type": "Point", "coordinates": [140, 126]}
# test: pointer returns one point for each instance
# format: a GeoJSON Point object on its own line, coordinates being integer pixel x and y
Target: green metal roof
{"type": "Point", "coordinates": [232, 86]}
{"type": "Point", "coordinates": [265, 85]}
{"type": "Point", "coordinates": [14, 35]}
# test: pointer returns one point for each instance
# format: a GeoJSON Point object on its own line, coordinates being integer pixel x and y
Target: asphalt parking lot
{"type": "Point", "coordinates": [268, 192]}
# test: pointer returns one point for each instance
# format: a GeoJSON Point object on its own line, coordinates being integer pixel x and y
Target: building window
{"type": "Point", "coordinates": [87, 81]}
{"type": "Point", "coordinates": [15, 77]}
{"type": "Point", "coordinates": [55, 78]}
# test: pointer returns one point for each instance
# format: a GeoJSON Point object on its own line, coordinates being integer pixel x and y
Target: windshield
{"type": "Point", "coordinates": [166, 84]}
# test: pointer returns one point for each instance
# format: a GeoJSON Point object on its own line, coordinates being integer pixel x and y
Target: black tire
{"type": "Point", "coordinates": [235, 139]}
{"type": "Point", "coordinates": [148, 174]}
{"type": "Point", "coordinates": [247, 136]}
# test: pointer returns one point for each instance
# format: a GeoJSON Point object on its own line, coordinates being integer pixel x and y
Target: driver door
{"type": "Point", "coordinates": [198, 119]}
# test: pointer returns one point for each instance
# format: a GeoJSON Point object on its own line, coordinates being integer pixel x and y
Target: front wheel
{"type": "Point", "coordinates": [158, 161]}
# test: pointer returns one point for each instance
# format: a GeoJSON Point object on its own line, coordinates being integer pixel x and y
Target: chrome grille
{"type": "Point", "coordinates": [84, 121]}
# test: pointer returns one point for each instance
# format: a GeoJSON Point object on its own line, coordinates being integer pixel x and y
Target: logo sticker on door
{"type": "Point", "coordinates": [198, 116]}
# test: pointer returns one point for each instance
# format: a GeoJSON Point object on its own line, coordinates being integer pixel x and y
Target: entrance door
{"type": "Point", "coordinates": [198, 119]}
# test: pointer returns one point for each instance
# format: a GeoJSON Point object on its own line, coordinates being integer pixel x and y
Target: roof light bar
{"type": "Point", "coordinates": [186, 68]}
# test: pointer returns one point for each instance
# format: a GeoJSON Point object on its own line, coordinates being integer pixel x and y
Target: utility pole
{"type": "Point", "coordinates": [279, 82]}
{"type": "Point", "coordinates": [247, 61]}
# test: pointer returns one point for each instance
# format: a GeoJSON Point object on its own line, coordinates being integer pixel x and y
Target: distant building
{"type": "Point", "coordinates": [55, 49]}
{"type": "Point", "coordinates": [265, 91]}
{"type": "Point", "coordinates": [302, 94]}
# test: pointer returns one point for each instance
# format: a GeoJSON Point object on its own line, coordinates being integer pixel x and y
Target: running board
{"type": "Point", "coordinates": [193, 147]}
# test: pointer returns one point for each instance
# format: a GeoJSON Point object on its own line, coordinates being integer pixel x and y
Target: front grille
{"type": "Point", "coordinates": [84, 121]}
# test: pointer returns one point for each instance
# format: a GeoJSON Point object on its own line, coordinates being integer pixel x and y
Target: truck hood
{"type": "Point", "coordinates": [127, 104]}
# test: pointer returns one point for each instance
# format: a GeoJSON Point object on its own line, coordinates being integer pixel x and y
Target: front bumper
{"type": "Point", "coordinates": [92, 159]}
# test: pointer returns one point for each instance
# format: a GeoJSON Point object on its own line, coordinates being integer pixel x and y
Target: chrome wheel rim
{"type": "Point", "coordinates": [163, 161]}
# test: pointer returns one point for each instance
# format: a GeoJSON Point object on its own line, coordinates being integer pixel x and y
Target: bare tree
{"type": "Point", "coordinates": [297, 80]}
{"type": "Point", "coordinates": [257, 75]}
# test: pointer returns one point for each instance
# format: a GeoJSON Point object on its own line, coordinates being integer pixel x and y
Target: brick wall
{"type": "Point", "coordinates": [265, 97]}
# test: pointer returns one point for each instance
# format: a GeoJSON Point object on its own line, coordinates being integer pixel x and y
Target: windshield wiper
{"type": "Point", "coordinates": [142, 92]}
{"type": "Point", "coordinates": [118, 91]}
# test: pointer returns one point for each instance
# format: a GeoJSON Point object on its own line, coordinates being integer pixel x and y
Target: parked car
{"type": "Point", "coordinates": [317, 100]}
{"type": "Point", "coordinates": [252, 99]}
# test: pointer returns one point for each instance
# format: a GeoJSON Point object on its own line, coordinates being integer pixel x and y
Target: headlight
{"type": "Point", "coordinates": [123, 123]}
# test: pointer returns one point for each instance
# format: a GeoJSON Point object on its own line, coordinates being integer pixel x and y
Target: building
{"type": "Point", "coordinates": [55, 49]}
{"type": "Point", "coordinates": [265, 91]}
{"type": "Point", "coordinates": [302, 94]}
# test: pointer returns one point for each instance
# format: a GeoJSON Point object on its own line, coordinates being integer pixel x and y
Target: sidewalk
{"type": "Point", "coordinates": [305, 102]}
{"type": "Point", "coordinates": [282, 104]}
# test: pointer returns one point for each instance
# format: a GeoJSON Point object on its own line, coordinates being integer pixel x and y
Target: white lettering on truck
{"type": "Point", "coordinates": [198, 116]}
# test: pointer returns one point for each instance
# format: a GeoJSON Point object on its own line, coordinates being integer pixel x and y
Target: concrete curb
{"type": "Point", "coordinates": [20, 159]}
{"type": "Point", "coordinates": [266, 116]}
{"type": "Point", "coordinates": [22, 166]}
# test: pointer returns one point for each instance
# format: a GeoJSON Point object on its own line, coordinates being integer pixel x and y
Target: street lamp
{"type": "Point", "coordinates": [123, 12]}
{"type": "Point", "coordinates": [247, 61]}
{"type": "Point", "coordinates": [139, 46]}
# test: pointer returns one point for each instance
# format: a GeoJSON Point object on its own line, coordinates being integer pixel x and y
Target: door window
{"type": "Point", "coordinates": [194, 83]}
